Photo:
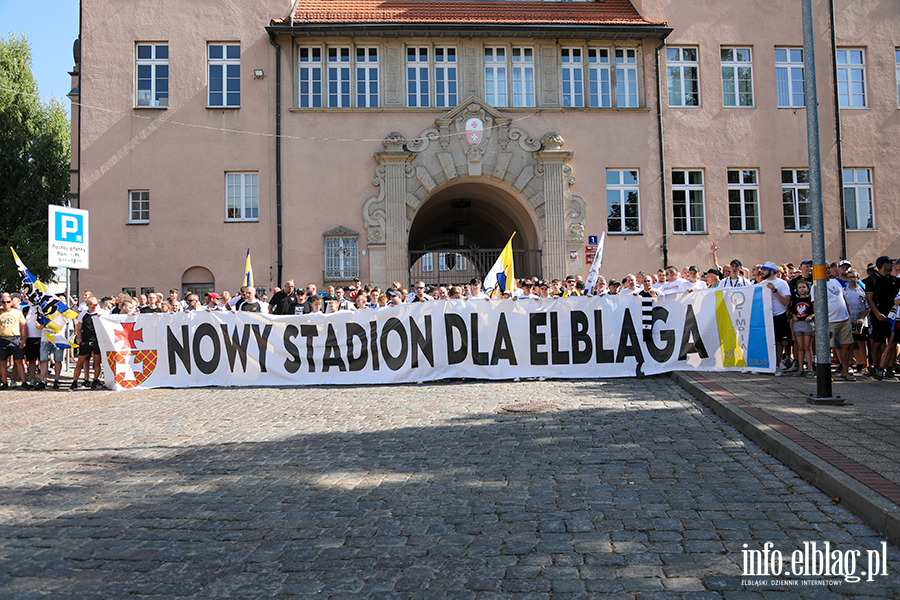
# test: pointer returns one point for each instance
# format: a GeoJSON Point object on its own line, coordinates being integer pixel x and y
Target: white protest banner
{"type": "Point", "coordinates": [579, 337]}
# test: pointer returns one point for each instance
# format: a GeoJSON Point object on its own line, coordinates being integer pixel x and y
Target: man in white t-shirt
{"type": "Point", "coordinates": [674, 283]}
{"type": "Point", "coordinates": [781, 297]}
{"type": "Point", "coordinates": [694, 278]}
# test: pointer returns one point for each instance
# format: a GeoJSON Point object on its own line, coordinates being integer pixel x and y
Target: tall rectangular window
{"type": "Point", "coordinates": [622, 201]}
{"type": "Point", "coordinates": [626, 78]}
{"type": "Point", "coordinates": [428, 262]}
{"type": "Point", "coordinates": [341, 258]}
{"type": "Point", "coordinates": [139, 207]}
{"type": "Point", "coordinates": [495, 75]}
{"type": "Point", "coordinates": [523, 76]}
{"type": "Point", "coordinates": [152, 70]}
{"type": "Point", "coordinates": [224, 71]}
{"type": "Point", "coordinates": [242, 196]}
{"type": "Point", "coordinates": [684, 76]}
{"type": "Point", "coordinates": [445, 76]}
{"type": "Point", "coordinates": [851, 78]}
{"type": "Point", "coordinates": [737, 77]}
{"type": "Point", "coordinates": [858, 207]}
{"type": "Point", "coordinates": [366, 77]}
{"type": "Point", "coordinates": [743, 200]}
{"type": "Point", "coordinates": [310, 77]}
{"type": "Point", "coordinates": [598, 78]}
{"type": "Point", "coordinates": [795, 199]}
{"type": "Point", "coordinates": [688, 206]}
{"type": "Point", "coordinates": [789, 77]}
{"type": "Point", "coordinates": [572, 71]}
{"type": "Point", "coordinates": [339, 77]}
{"type": "Point", "coordinates": [417, 70]}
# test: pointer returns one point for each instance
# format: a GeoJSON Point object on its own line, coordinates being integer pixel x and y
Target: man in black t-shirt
{"type": "Point", "coordinates": [805, 275]}
{"type": "Point", "coordinates": [251, 304]}
{"type": "Point", "coordinates": [881, 289]}
{"type": "Point", "coordinates": [282, 302]}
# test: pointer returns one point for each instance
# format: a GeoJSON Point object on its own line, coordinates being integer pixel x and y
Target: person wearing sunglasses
{"type": "Point", "coordinates": [12, 339]}
{"type": "Point", "coordinates": [420, 293]}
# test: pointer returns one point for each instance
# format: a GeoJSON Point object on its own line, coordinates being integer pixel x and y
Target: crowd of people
{"type": "Point", "coordinates": [862, 311]}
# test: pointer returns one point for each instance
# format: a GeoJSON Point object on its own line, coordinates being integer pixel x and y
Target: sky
{"type": "Point", "coordinates": [50, 26]}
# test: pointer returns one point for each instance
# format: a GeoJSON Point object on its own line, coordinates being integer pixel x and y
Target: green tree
{"type": "Point", "coordinates": [34, 164]}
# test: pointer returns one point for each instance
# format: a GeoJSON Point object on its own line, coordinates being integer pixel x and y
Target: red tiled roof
{"type": "Point", "coordinates": [598, 12]}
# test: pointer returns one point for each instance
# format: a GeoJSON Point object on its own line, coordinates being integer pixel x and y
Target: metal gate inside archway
{"type": "Point", "coordinates": [452, 266]}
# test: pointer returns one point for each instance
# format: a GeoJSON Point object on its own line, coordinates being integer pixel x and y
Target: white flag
{"type": "Point", "coordinates": [594, 273]}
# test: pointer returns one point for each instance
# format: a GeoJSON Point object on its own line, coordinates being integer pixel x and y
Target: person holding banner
{"type": "Point", "coordinates": [86, 336]}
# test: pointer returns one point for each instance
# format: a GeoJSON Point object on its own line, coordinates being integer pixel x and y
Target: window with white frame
{"type": "Point", "coordinates": [498, 86]}
{"type": "Point", "coordinates": [743, 200]}
{"type": "Point", "coordinates": [445, 76]}
{"type": "Point", "coordinates": [897, 59]}
{"type": "Point", "coordinates": [789, 77]}
{"type": "Point", "coordinates": [795, 199]}
{"type": "Point", "coordinates": [341, 257]}
{"type": "Point", "coordinates": [224, 72]}
{"type": "Point", "coordinates": [309, 77]}
{"type": "Point", "coordinates": [626, 77]}
{"type": "Point", "coordinates": [338, 69]}
{"type": "Point", "coordinates": [523, 76]}
{"type": "Point", "coordinates": [572, 71]}
{"type": "Point", "coordinates": [139, 206]}
{"type": "Point", "coordinates": [366, 77]}
{"type": "Point", "coordinates": [599, 86]}
{"type": "Point", "coordinates": [858, 206]}
{"type": "Point", "coordinates": [349, 77]}
{"type": "Point", "coordinates": [688, 206]}
{"type": "Point", "coordinates": [851, 77]}
{"type": "Point", "coordinates": [418, 93]}
{"type": "Point", "coordinates": [152, 71]}
{"type": "Point", "coordinates": [622, 201]}
{"type": "Point", "coordinates": [737, 77]}
{"type": "Point", "coordinates": [495, 75]}
{"type": "Point", "coordinates": [242, 196]}
{"type": "Point", "coordinates": [428, 262]}
{"type": "Point", "coordinates": [683, 69]}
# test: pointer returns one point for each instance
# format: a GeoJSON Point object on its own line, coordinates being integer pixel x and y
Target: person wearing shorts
{"type": "Point", "coordinates": [840, 330]}
{"type": "Point", "coordinates": [49, 349]}
{"type": "Point", "coordinates": [86, 336]}
{"type": "Point", "coordinates": [12, 339]}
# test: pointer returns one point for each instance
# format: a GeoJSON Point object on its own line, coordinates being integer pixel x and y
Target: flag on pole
{"type": "Point", "coordinates": [501, 278]}
{"type": "Point", "coordinates": [594, 274]}
{"type": "Point", "coordinates": [248, 271]}
{"type": "Point", "coordinates": [51, 312]}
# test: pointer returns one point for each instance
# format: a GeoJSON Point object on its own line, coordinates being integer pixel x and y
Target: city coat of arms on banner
{"type": "Point", "coordinates": [132, 365]}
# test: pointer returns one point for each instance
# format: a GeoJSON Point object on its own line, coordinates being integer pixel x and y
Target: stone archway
{"type": "Point", "coordinates": [472, 143]}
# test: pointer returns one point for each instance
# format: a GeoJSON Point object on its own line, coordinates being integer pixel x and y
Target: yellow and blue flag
{"type": "Point", "coordinates": [501, 278]}
{"type": "Point", "coordinates": [51, 312]}
{"type": "Point", "coordinates": [248, 271]}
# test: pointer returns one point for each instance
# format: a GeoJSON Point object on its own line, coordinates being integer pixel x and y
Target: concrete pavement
{"type": "Point", "coordinates": [476, 490]}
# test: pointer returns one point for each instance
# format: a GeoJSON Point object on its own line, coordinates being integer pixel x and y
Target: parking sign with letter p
{"type": "Point", "coordinates": [68, 238]}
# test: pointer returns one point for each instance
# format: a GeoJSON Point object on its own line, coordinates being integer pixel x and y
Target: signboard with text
{"type": "Point", "coordinates": [67, 243]}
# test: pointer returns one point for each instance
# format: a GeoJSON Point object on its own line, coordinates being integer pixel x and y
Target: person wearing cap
{"type": "Point", "coordinates": [694, 278]}
{"type": "Point", "coordinates": [301, 305]}
{"type": "Point", "coordinates": [713, 277]}
{"type": "Point", "coordinates": [213, 303]}
{"type": "Point", "coordinates": [525, 292]}
{"type": "Point", "coordinates": [805, 274]}
{"type": "Point", "coordinates": [881, 289]}
{"type": "Point", "coordinates": [781, 297]}
{"type": "Point", "coordinates": [843, 267]}
{"type": "Point", "coordinates": [570, 288]}
{"type": "Point", "coordinates": [735, 277]}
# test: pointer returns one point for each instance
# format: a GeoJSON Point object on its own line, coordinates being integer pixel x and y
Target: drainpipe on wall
{"type": "Point", "coordinates": [839, 152]}
{"type": "Point", "coordinates": [662, 160]}
{"type": "Point", "coordinates": [280, 249]}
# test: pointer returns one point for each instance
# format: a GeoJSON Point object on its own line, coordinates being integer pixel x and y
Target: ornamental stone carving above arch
{"type": "Point", "coordinates": [474, 140]}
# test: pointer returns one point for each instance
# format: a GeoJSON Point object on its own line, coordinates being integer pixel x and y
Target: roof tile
{"type": "Point", "coordinates": [598, 12]}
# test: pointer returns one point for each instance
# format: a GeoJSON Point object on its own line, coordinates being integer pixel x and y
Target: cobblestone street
{"type": "Point", "coordinates": [623, 488]}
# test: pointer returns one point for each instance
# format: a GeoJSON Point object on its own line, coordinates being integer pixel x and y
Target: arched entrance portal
{"type": "Point", "coordinates": [512, 180]}
{"type": "Point", "coordinates": [459, 231]}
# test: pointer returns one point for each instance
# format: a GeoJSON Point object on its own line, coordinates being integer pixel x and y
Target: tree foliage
{"type": "Point", "coordinates": [34, 164]}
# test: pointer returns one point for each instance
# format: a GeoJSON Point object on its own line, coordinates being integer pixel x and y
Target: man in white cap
{"type": "Point", "coordinates": [781, 297]}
